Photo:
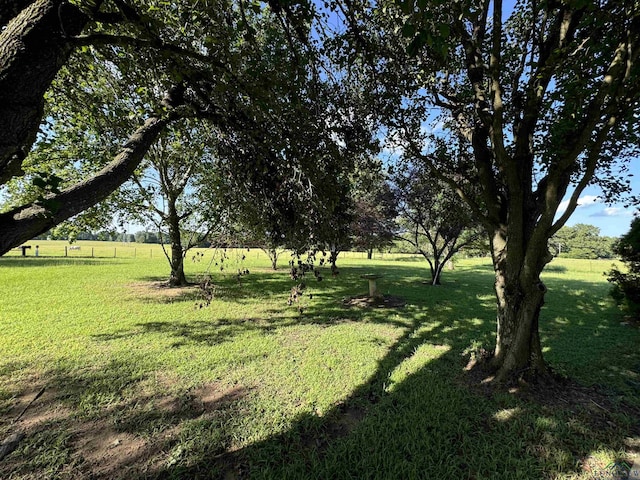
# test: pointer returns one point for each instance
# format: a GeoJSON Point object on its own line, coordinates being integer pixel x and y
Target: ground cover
{"type": "Point", "coordinates": [140, 382]}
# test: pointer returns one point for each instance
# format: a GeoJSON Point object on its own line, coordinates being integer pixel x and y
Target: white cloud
{"type": "Point", "coordinates": [584, 201]}
{"type": "Point", "coordinates": [613, 212]}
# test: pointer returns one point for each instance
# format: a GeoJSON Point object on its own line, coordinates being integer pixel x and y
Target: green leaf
{"type": "Point", "coordinates": [406, 6]}
{"type": "Point", "coordinates": [408, 30]}
{"type": "Point", "coordinates": [39, 182]}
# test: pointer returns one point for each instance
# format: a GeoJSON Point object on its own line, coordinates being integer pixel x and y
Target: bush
{"type": "Point", "coordinates": [626, 286]}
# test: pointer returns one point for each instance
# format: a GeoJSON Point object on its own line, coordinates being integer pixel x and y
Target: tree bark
{"type": "Point", "coordinates": [273, 256]}
{"type": "Point", "coordinates": [333, 258]}
{"type": "Point", "coordinates": [520, 296]}
{"type": "Point", "coordinates": [177, 277]}
{"type": "Point", "coordinates": [10, 9]}
{"type": "Point", "coordinates": [27, 221]}
{"type": "Point", "coordinates": [34, 45]}
{"type": "Point", "coordinates": [370, 254]}
{"type": "Point", "coordinates": [436, 274]}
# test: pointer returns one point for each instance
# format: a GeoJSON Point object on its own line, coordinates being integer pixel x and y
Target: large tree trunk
{"type": "Point", "coordinates": [520, 296]}
{"type": "Point", "coordinates": [25, 222]}
{"type": "Point", "coordinates": [33, 46]}
{"type": "Point", "coordinates": [177, 277]}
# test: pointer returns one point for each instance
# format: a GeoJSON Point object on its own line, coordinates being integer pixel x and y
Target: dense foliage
{"type": "Point", "coordinates": [626, 284]}
{"type": "Point", "coordinates": [581, 241]}
{"type": "Point", "coordinates": [432, 218]}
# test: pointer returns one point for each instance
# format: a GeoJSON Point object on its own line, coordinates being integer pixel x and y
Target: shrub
{"type": "Point", "coordinates": [626, 285]}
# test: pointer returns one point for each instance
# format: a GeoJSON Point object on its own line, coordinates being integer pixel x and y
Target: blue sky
{"type": "Point", "coordinates": [613, 220]}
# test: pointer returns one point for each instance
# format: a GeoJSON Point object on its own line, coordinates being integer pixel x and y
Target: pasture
{"type": "Point", "coordinates": [109, 375]}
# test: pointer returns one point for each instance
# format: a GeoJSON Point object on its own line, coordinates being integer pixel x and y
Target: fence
{"type": "Point", "coordinates": [108, 250]}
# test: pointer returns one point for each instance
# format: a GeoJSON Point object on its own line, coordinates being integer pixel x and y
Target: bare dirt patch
{"type": "Point", "coordinates": [210, 397]}
{"type": "Point", "coordinates": [35, 406]}
{"type": "Point", "coordinates": [107, 452]}
{"type": "Point", "coordinates": [121, 443]}
{"type": "Point", "coordinates": [161, 291]}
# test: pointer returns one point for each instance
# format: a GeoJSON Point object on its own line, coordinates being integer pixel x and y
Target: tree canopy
{"type": "Point", "coordinates": [249, 69]}
{"type": "Point", "coordinates": [434, 220]}
{"type": "Point", "coordinates": [541, 102]}
{"type": "Point", "coordinates": [626, 284]}
{"type": "Point", "coordinates": [581, 241]}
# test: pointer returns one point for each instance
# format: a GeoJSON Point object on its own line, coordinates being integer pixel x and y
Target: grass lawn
{"type": "Point", "coordinates": [137, 381]}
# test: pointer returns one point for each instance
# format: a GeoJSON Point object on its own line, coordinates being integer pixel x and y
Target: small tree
{"type": "Point", "coordinates": [164, 194]}
{"type": "Point", "coordinates": [626, 286]}
{"type": "Point", "coordinates": [433, 218]}
{"type": "Point", "coordinates": [333, 231]}
{"type": "Point", "coordinates": [270, 243]}
{"type": "Point", "coordinates": [373, 226]}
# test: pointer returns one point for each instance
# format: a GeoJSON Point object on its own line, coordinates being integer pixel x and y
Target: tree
{"type": "Point", "coordinates": [296, 194]}
{"type": "Point", "coordinates": [164, 193]}
{"type": "Point", "coordinates": [38, 38]}
{"type": "Point", "coordinates": [373, 225]}
{"type": "Point", "coordinates": [545, 101]}
{"type": "Point", "coordinates": [581, 241]}
{"type": "Point", "coordinates": [626, 285]}
{"type": "Point", "coordinates": [332, 231]}
{"type": "Point", "coordinates": [435, 220]}
{"type": "Point", "coordinates": [143, 236]}
{"type": "Point", "coordinates": [209, 62]}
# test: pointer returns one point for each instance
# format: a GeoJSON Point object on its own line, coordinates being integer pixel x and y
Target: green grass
{"type": "Point", "coordinates": [249, 388]}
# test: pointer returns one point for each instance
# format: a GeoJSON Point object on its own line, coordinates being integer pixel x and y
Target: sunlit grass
{"type": "Point", "coordinates": [334, 392]}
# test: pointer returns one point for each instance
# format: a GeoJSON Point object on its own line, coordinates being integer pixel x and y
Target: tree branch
{"type": "Point", "coordinates": [95, 39]}
{"type": "Point", "coordinates": [27, 221]}
{"type": "Point", "coordinates": [9, 9]}
{"type": "Point", "coordinates": [34, 46]}
{"type": "Point", "coordinates": [590, 168]}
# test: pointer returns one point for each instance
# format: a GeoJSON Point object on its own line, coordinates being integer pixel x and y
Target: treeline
{"type": "Point", "coordinates": [582, 241]}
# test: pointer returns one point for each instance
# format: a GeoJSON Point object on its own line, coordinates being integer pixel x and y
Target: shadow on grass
{"type": "Point", "coordinates": [321, 303]}
{"type": "Point", "coordinates": [100, 423]}
{"type": "Point", "coordinates": [426, 423]}
{"type": "Point", "coordinates": [414, 417]}
{"type": "Point", "coordinates": [408, 258]}
{"type": "Point", "coordinates": [555, 268]}
{"type": "Point", "coordinates": [585, 338]}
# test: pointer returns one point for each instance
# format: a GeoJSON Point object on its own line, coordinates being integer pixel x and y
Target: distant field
{"type": "Point", "coordinates": [141, 382]}
{"type": "Point", "coordinates": [99, 249]}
